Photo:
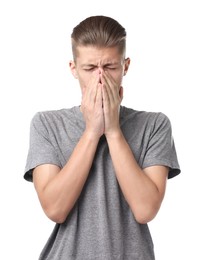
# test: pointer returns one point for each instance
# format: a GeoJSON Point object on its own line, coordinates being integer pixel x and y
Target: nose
{"type": "Point", "coordinates": [100, 70]}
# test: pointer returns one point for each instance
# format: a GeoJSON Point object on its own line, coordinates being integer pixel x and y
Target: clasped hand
{"type": "Point", "coordinates": [101, 104]}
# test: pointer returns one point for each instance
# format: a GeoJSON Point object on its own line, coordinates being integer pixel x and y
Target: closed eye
{"type": "Point", "coordinates": [110, 68]}
{"type": "Point", "coordinates": [88, 69]}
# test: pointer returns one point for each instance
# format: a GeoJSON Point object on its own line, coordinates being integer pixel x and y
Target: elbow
{"type": "Point", "coordinates": [55, 215]}
{"type": "Point", "coordinates": [57, 219]}
{"type": "Point", "coordinates": [55, 210]}
{"type": "Point", "coordinates": [143, 218]}
{"type": "Point", "coordinates": [143, 215]}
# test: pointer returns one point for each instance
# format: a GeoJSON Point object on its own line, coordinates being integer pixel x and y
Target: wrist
{"type": "Point", "coordinates": [114, 135]}
{"type": "Point", "coordinates": [91, 136]}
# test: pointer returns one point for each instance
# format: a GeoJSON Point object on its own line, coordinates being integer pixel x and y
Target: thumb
{"type": "Point", "coordinates": [121, 92]}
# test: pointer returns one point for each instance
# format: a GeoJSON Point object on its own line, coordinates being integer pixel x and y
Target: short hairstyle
{"type": "Point", "coordinates": [99, 31]}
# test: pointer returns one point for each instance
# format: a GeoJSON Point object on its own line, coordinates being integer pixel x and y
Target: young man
{"type": "Point", "coordinates": [100, 169]}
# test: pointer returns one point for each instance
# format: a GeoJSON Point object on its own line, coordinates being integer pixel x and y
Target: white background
{"type": "Point", "coordinates": [164, 44]}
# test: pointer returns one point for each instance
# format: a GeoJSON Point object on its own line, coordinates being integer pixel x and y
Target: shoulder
{"type": "Point", "coordinates": [153, 118]}
{"type": "Point", "coordinates": [52, 116]}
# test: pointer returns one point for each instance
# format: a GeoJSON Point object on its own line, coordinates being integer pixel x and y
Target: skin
{"type": "Point", "coordinates": [100, 72]}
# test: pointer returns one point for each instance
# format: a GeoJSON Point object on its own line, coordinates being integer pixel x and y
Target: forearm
{"type": "Point", "coordinates": [61, 193]}
{"type": "Point", "coordinates": [139, 190]}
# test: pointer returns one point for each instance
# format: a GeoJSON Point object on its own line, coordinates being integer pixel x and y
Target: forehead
{"type": "Point", "coordinates": [94, 55]}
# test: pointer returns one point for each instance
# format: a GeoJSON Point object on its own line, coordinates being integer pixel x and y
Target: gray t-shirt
{"type": "Point", "coordinates": [101, 226]}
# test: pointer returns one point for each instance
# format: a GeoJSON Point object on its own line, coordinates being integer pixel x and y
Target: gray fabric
{"type": "Point", "coordinates": [101, 225]}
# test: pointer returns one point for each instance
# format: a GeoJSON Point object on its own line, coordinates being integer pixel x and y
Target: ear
{"type": "Point", "coordinates": [73, 69]}
{"type": "Point", "coordinates": [126, 65]}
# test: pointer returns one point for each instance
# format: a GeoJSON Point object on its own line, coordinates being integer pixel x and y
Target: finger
{"type": "Point", "coordinates": [91, 88]}
{"type": "Point", "coordinates": [107, 88]}
{"type": "Point", "coordinates": [110, 79]}
{"type": "Point", "coordinates": [89, 94]}
{"type": "Point", "coordinates": [112, 85]}
{"type": "Point", "coordinates": [106, 100]}
{"type": "Point", "coordinates": [99, 97]}
{"type": "Point", "coordinates": [105, 93]}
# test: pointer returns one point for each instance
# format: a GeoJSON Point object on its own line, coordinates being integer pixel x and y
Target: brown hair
{"type": "Point", "coordinates": [99, 31]}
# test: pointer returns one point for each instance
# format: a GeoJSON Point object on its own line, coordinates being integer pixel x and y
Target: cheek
{"type": "Point", "coordinates": [81, 79]}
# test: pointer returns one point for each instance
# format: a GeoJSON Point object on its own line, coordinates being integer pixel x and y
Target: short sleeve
{"type": "Point", "coordinates": [41, 151]}
{"type": "Point", "coordinates": [161, 148]}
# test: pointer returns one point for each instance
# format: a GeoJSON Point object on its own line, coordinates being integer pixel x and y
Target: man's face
{"type": "Point", "coordinates": [97, 60]}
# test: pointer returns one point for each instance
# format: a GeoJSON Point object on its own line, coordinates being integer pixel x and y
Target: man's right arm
{"type": "Point", "coordinates": [58, 189]}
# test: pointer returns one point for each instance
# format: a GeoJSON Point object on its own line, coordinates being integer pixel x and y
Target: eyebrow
{"type": "Point", "coordinates": [105, 65]}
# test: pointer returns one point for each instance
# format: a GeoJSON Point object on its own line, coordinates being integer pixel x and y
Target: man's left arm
{"type": "Point", "coordinates": [143, 189]}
